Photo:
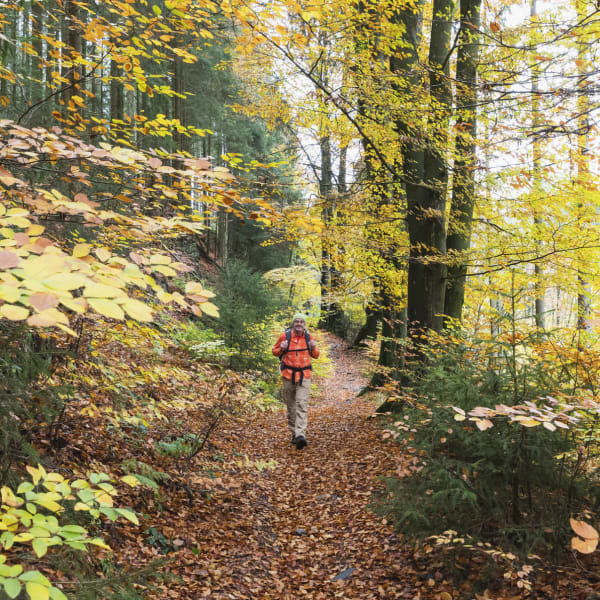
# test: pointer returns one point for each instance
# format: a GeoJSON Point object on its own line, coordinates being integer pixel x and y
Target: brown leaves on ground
{"type": "Point", "coordinates": [250, 517]}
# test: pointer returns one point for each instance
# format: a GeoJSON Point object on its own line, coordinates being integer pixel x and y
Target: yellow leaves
{"type": "Point", "coordinates": [103, 498]}
{"type": "Point", "coordinates": [160, 259]}
{"type": "Point", "coordinates": [37, 591]}
{"type": "Point", "coordinates": [99, 290]}
{"type": "Point", "coordinates": [40, 267]}
{"type": "Point", "coordinates": [181, 5]}
{"type": "Point", "coordinates": [460, 416]}
{"type": "Point", "coordinates": [587, 539]}
{"type": "Point", "coordinates": [36, 474]}
{"type": "Point", "coordinates": [9, 180]}
{"type": "Point", "coordinates": [103, 254]}
{"type": "Point", "coordinates": [130, 480]}
{"type": "Point", "coordinates": [65, 281]}
{"type": "Point", "coordinates": [209, 308]}
{"type": "Point", "coordinates": [18, 222]}
{"type": "Point", "coordinates": [195, 288]}
{"type": "Point", "coordinates": [78, 305]}
{"type": "Point", "coordinates": [137, 310]}
{"type": "Point", "coordinates": [78, 101]}
{"type": "Point", "coordinates": [107, 308]}
{"type": "Point", "coordinates": [164, 297]}
{"type": "Point", "coordinates": [168, 271]}
{"type": "Point", "coordinates": [81, 250]}
{"type": "Point", "coordinates": [13, 312]}
{"type": "Point", "coordinates": [39, 279]}
{"type": "Point", "coordinates": [9, 498]}
{"type": "Point", "coordinates": [95, 31]}
{"type": "Point", "coordinates": [527, 422]}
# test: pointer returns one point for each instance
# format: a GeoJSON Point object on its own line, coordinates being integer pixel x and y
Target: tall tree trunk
{"type": "Point", "coordinates": [72, 38]}
{"type": "Point", "coordinates": [458, 240]}
{"type": "Point", "coordinates": [582, 164]}
{"type": "Point", "coordinates": [222, 249]}
{"type": "Point", "coordinates": [37, 13]}
{"type": "Point", "coordinates": [335, 314]}
{"type": "Point", "coordinates": [425, 171]}
{"type": "Point", "coordinates": [178, 106]}
{"type": "Point", "coordinates": [117, 100]}
{"type": "Point", "coordinates": [539, 308]}
{"type": "Point", "coordinates": [325, 188]}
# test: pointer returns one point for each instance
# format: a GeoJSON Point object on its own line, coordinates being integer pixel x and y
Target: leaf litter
{"type": "Point", "coordinates": [249, 516]}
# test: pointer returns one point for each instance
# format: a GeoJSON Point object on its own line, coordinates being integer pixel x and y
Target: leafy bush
{"type": "Point", "coordinates": [247, 305]}
{"type": "Point", "coordinates": [144, 473]}
{"type": "Point", "coordinates": [28, 397]}
{"type": "Point", "coordinates": [510, 480]}
{"type": "Point", "coordinates": [32, 516]}
{"type": "Point", "coordinates": [203, 343]}
{"type": "Point", "coordinates": [178, 447]}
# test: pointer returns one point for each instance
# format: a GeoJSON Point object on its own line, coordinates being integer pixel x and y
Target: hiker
{"type": "Point", "coordinates": [295, 347]}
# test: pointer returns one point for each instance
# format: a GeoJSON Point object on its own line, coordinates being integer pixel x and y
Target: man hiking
{"type": "Point", "coordinates": [295, 347]}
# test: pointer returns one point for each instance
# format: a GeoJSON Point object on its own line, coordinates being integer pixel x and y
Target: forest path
{"type": "Point", "coordinates": [287, 532]}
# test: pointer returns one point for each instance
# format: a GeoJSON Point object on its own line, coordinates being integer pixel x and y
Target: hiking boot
{"type": "Point", "coordinates": [300, 442]}
{"type": "Point", "coordinates": [293, 440]}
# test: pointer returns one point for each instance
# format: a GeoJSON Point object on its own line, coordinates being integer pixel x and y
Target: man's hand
{"type": "Point", "coordinates": [283, 345]}
{"type": "Point", "coordinates": [312, 344]}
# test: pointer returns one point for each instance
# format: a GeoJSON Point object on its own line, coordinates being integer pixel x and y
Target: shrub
{"type": "Point", "coordinates": [29, 399]}
{"type": "Point", "coordinates": [203, 343]}
{"type": "Point", "coordinates": [506, 480]}
{"type": "Point", "coordinates": [247, 306]}
{"type": "Point", "coordinates": [33, 515]}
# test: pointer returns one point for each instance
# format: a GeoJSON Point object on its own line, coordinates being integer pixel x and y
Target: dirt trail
{"type": "Point", "coordinates": [288, 532]}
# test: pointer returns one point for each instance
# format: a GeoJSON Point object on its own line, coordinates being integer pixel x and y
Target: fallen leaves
{"type": "Point", "coordinates": [250, 517]}
{"type": "Point", "coordinates": [586, 539]}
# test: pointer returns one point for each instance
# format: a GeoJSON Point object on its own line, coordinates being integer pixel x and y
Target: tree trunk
{"type": "Point", "coordinates": [37, 42]}
{"type": "Point", "coordinates": [72, 38]}
{"type": "Point", "coordinates": [463, 193]}
{"type": "Point", "coordinates": [325, 187]}
{"type": "Point", "coordinates": [179, 138]}
{"type": "Point", "coordinates": [223, 238]}
{"type": "Point", "coordinates": [539, 309]}
{"type": "Point", "coordinates": [425, 171]}
{"type": "Point", "coordinates": [369, 330]}
{"type": "Point", "coordinates": [582, 165]}
{"type": "Point", "coordinates": [117, 101]}
{"type": "Point", "coordinates": [335, 322]}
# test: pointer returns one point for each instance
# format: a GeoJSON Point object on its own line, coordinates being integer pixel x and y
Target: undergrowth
{"type": "Point", "coordinates": [510, 482]}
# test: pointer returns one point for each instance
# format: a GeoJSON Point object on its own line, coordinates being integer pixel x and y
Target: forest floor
{"type": "Point", "coordinates": [253, 518]}
{"type": "Point", "coordinates": [300, 527]}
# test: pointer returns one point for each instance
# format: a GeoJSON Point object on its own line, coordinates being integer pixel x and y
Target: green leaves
{"type": "Point", "coordinates": [50, 492]}
{"type": "Point", "coordinates": [12, 587]}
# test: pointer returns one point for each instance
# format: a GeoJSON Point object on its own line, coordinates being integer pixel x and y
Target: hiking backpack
{"type": "Point", "coordinates": [294, 370]}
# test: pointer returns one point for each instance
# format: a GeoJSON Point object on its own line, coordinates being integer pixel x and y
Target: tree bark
{"type": "Point", "coordinates": [583, 167]}
{"type": "Point", "coordinates": [463, 192]}
{"type": "Point", "coordinates": [424, 170]}
{"type": "Point", "coordinates": [325, 187]}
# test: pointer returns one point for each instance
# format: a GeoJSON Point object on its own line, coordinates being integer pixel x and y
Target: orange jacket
{"type": "Point", "coordinates": [296, 355]}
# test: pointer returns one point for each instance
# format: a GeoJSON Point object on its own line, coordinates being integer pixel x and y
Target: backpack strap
{"type": "Point", "coordinates": [294, 370]}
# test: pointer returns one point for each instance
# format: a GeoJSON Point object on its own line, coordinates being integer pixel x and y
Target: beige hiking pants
{"type": "Point", "coordinates": [295, 396]}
